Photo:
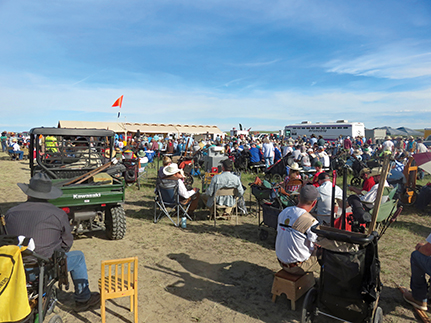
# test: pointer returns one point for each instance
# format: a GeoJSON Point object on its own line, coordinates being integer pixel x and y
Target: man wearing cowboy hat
{"type": "Point", "coordinates": [16, 149]}
{"type": "Point", "coordinates": [388, 145]}
{"type": "Point", "coordinates": [49, 226]}
{"type": "Point", "coordinates": [368, 198]}
{"type": "Point", "coordinates": [173, 173]}
{"type": "Point", "coordinates": [368, 181]}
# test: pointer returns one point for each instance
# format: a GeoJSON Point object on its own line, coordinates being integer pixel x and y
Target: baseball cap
{"type": "Point", "coordinates": [309, 193]}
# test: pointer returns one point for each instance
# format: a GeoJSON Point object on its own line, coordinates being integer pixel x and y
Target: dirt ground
{"type": "Point", "coordinates": [207, 274]}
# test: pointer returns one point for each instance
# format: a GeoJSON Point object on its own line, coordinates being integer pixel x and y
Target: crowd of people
{"type": "Point", "coordinates": [295, 242]}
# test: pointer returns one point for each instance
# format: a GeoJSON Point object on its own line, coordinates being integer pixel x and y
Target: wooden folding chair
{"type": "Point", "coordinates": [119, 279]}
{"type": "Point", "coordinates": [225, 192]}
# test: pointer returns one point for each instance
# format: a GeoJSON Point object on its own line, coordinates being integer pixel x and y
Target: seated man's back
{"type": "Point", "coordinates": [224, 180]}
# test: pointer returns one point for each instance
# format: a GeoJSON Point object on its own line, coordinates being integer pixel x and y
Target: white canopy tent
{"type": "Point", "coordinates": [144, 128]}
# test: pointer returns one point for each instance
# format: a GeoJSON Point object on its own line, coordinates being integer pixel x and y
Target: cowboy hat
{"type": "Point", "coordinates": [172, 169]}
{"type": "Point", "coordinates": [295, 166]}
{"type": "Point", "coordinates": [364, 171]}
{"type": "Point", "coordinates": [141, 153]}
{"type": "Point", "coordinates": [375, 172]}
{"type": "Point", "coordinates": [41, 187]}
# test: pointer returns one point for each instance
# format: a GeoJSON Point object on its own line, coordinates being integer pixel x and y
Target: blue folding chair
{"type": "Point", "coordinates": [167, 203]}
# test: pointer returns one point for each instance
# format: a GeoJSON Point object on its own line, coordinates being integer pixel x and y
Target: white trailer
{"type": "Point", "coordinates": [328, 130]}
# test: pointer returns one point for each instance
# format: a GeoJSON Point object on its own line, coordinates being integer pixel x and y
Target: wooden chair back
{"type": "Point", "coordinates": [119, 278]}
{"type": "Point", "coordinates": [225, 192]}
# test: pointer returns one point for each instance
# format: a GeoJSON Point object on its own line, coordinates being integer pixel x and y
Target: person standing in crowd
{"type": "Point", "coordinates": [268, 152]}
{"type": "Point", "coordinates": [3, 140]}
{"type": "Point", "coordinates": [347, 143]}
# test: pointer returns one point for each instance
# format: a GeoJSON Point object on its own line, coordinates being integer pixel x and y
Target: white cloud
{"type": "Point", "coordinates": [255, 64]}
{"type": "Point", "coordinates": [45, 102]}
{"type": "Point", "coordinates": [401, 60]}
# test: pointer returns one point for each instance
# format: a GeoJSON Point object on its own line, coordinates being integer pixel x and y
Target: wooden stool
{"type": "Point", "coordinates": [294, 286]}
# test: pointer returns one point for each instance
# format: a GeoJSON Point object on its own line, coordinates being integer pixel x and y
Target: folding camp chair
{"type": "Point", "coordinates": [167, 200]}
{"type": "Point", "coordinates": [142, 172]}
{"type": "Point", "coordinates": [388, 212]}
{"type": "Point", "coordinates": [225, 191]}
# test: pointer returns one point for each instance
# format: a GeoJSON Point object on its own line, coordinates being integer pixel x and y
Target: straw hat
{"type": "Point", "coordinates": [295, 166]}
{"type": "Point", "coordinates": [375, 172]}
{"type": "Point", "coordinates": [141, 153]}
{"type": "Point", "coordinates": [172, 169]}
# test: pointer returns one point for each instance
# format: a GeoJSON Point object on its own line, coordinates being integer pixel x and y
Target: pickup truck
{"type": "Point", "coordinates": [79, 162]}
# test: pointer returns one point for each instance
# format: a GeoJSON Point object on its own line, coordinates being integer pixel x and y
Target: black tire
{"type": "Point", "coordinates": [405, 198]}
{"type": "Point", "coordinates": [188, 181]}
{"type": "Point", "coordinates": [56, 319]}
{"type": "Point", "coordinates": [378, 316]}
{"type": "Point", "coordinates": [309, 306]}
{"type": "Point", "coordinates": [263, 234]}
{"type": "Point", "coordinates": [115, 222]}
{"type": "Point", "coordinates": [268, 177]}
{"type": "Point", "coordinates": [356, 181]}
{"type": "Point", "coordinates": [278, 178]}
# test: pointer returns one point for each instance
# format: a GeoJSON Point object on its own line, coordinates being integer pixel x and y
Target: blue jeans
{"type": "Point", "coordinates": [269, 161]}
{"type": "Point", "coordinates": [420, 265]}
{"type": "Point", "coordinates": [78, 270]}
{"type": "Point", "coordinates": [20, 152]}
{"type": "Point", "coordinates": [3, 146]}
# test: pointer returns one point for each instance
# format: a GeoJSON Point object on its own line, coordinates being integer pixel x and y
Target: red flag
{"type": "Point", "coordinates": [118, 103]}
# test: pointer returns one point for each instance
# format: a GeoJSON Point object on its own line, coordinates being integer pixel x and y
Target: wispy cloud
{"type": "Point", "coordinates": [395, 61]}
{"type": "Point", "coordinates": [255, 64]}
{"type": "Point", "coordinates": [87, 102]}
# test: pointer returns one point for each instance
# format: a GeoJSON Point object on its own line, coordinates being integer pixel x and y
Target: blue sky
{"type": "Point", "coordinates": [264, 64]}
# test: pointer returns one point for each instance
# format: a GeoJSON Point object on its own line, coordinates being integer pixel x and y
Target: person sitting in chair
{"type": "Point", "coordinates": [364, 202]}
{"type": "Point", "coordinates": [294, 245]}
{"type": "Point", "coordinates": [368, 181]}
{"type": "Point", "coordinates": [49, 227]}
{"type": "Point", "coordinates": [173, 173]}
{"type": "Point", "coordinates": [224, 180]}
{"type": "Point", "coordinates": [166, 161]}
{"type": "Point", "coordinates": [324, 207]}
{"type": "Point", "coordinates": [420, 261]}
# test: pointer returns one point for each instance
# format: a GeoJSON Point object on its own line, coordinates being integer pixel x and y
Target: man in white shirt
{"type": "Point", "coordinates": [323, 157]}
{"type": "Point", "coordinates": [16, 149]}
{"type": "Point", "coordinates": [173, 173]}
{"type": "Point", "coordinates": [364, 202]}
{"type": "Point", "coordinates": [288, 148]}
{"type": "Point", "coordinates": [324, 207]}
{"type": "Point", "coordinates": [369, 198]}
{"type": "Point", "coordinates": [420, 147]}
{"type": "Point", "coordinates": [294, 245]}
{"type": "Point", "coordinates": [388, 145]}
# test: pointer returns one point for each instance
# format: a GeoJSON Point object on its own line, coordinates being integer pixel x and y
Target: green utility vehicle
{"type": "Point", "coordinates": [80, 162]}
